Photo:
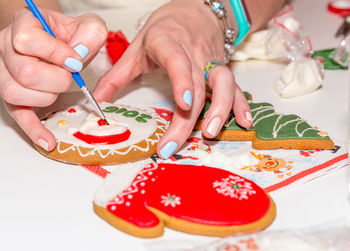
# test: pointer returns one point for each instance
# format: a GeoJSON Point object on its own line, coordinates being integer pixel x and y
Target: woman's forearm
{"type": "Point", "coordinates": [9, 7]}
{"type": "Point", "coordinates": [262, 11]}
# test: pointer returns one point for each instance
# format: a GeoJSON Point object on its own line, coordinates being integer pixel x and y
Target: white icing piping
{"type": "Point", "coordinates": [305, 130]}
{"type": "Point", "coordinates": [268, 107]}
{"type": "Point", "coordinates": [227, 124]}
{"type": "Point", "coordinates": [115, 151]}
{"type": "Point", "coordinates": [263, 117]}
{"type": "Point", "coordinates": [133, 188]}
{"type": "Point", "coordinates": [275, 132]}
{"type": "Point", "coordinates": [261, 109]}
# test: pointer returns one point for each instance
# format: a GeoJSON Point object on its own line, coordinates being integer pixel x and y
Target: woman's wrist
{"type": "Point", "coordinates": [230, 34]}
{"type": "Point", "coordinates": [230, 15]}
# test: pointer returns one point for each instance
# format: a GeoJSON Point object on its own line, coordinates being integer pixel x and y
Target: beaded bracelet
{"type": "Point", "coordinates": [217, 7]}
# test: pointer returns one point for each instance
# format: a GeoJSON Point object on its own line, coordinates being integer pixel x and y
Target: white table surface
{"type": "Point", "coordinates": [46, 205]}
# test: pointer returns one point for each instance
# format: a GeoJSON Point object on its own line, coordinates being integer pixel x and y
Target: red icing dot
{"type": "Point", "coordinates": [102, 122]}
{"type": "Point", "coordinates": [270, 163]}
{"type": "Point", "coordinates": [72, 110]}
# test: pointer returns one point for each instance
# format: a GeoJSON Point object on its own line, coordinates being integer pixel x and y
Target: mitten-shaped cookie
{"type": "Point", "coordinates": [193, 199]}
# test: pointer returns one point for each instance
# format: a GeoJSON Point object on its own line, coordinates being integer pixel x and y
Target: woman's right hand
{"type": "Point", "coordinates": [35, 67]}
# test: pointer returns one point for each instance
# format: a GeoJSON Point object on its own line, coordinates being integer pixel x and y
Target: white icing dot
{"type": "Point", "coordinates": [138, 177]}
{"type": "Point", "coordinates": [129, 188]}
{"type": "Point", "coordinates": [129, 196]}
{"type": "Point", "coordinates": [113, 208]}
{"type": "Point", "coordinates": [150, 173]}
{"type": "Point", "coordinates": [116, 199]}
{"type": "Point", "coordinates": [127, 203]}
{"type": "Point", "coordinates": [153, 179]}
{"type": "Point", "coordinates": [162, 168]}
{"type": "Point", "coordinates": [143, 191]}
{"type": "Point", "coordinates": [142, 184]}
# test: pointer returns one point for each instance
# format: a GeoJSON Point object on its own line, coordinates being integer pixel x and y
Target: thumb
{"type": "Point", "coordinates": [123, 72]}
{"type": "Point", "coordinates": [31, 125]}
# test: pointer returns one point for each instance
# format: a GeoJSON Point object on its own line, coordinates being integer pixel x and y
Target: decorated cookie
{"type": "Point", "coordinates": [84, 138]}
{"type": "Point", "coordinates": [193, 199]}
{"type": "Point", "coordinates": [272, 130]}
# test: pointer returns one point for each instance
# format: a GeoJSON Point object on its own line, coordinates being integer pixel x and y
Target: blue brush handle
{"type": "Point", "coordinates": [78, 79]}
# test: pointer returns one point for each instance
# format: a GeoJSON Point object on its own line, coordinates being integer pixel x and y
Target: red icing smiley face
{"type": "Point", "coordinates": [103, 140]}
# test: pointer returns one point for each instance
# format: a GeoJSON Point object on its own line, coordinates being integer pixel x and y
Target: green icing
{"type": "Point", "coordinates": [328, 62]}
{"type": "Point", "coordinates": [270, 125]}
{"type": "Point", "coordinates": [110, 109]}
{"type": "Point", "coordinates": [247, 95]}
{"type": "Point", "coordinates": [235, 186]}
{"type": "Point", "coordinates": [142, 118]}
{"type": "Point", "coordinates": [130, 114]}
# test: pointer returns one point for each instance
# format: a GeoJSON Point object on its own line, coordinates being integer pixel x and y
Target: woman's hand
{"type": "Point", "coordinates": [35, 67]}
{"type": "Point", "coordinates": [182, 37]}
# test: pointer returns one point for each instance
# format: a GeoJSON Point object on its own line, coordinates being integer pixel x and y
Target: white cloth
{"type": "Point", "coordinates": [300, 77]}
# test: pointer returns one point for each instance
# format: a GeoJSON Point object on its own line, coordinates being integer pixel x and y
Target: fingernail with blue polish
{"type": "Point", "coordinates": [82, 50]}
{"type": "Point", "coordinates": [168, 150]}
{"type": "Point", "coordinates": [73, 64]}
{"type": "Point", "coordinates": [187, 97]}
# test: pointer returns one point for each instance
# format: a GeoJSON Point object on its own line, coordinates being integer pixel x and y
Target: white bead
{"type": "Point", "coordinates": [230, 33]}
{"type": "Point", "coordinates": [221, 13]}
{"type": "Point", "coordinates": [229, 48]}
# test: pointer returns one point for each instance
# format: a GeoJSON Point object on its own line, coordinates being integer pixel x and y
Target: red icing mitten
{"type": "Point", "coordinates": [193, 199]}
{"type": "Point", "coordinates": [116, 45]}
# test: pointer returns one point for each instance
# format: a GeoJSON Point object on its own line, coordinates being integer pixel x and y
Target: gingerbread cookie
{"type": "Point", "coordinates": [193, 199]}
{"type": "Point", "coordinates": [271, 130]}
{"type": "Point", "coordinates": [84, 138]}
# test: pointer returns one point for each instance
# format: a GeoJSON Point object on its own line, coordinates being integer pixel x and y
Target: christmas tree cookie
{"type": "Point", "coordinates": [84, 138]}
{"type": "Point", "coordinates": [193, 199]}
{"type": "Point", "coordinates": [272, 130]}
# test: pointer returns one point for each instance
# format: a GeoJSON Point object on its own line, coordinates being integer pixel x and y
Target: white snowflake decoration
{"type": "Point", "coordinates": [171, 200]}
{"type": "Point", "coordinates": [235, 187]}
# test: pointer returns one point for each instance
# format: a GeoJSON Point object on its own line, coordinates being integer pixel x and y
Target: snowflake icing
{"type": "Point", "coordinates": [235, 187]}
{"type": "Point", "coordinates": [171, 200]}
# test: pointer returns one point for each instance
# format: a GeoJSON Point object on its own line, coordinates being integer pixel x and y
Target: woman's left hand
{"type": "Point", "coordinates": [182, 37]}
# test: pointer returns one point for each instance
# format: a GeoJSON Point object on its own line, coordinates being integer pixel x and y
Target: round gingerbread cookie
{"type": "Point", "coordinates": [84, 138]}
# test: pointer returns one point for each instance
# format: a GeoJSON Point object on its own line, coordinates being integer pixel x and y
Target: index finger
{"type": "Point", "coordinates": [174, 59]}
{"type": "Point", "coordinates": [29, 38]}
